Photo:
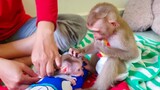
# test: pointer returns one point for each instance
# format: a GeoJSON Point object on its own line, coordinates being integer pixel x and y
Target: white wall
{"type": "Point", "coordinates": [81, 7]}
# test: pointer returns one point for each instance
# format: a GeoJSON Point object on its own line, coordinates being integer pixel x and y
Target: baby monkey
{"type": "Point", "coordinates": [71, 66]}
{"type": "Point", "coordinates": [70, 69]}
{"type": "Point", "coordinates": [107, 25]}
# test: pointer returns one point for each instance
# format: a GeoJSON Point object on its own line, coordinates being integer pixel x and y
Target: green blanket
{"type": "Point", "coordinates": [145, 73]}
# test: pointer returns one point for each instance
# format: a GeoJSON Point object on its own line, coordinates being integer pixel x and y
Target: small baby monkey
{"type": "Point", "coordinates": [107, 25]}
{"type": "Point", "coordinates": [71, 66]}
{"type": "Point", "coordinates": [70, 69]}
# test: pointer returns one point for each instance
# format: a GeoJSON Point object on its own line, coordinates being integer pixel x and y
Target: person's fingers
{"type": "Point", "coordinates": [37, 67]}
{"type": "Point", "coordinates": [50, 68]}
{"type": "Point", "coordinates": [28, 79]}
{"type": "Point", "coordinates": [29, 71]}
{"type": "Point", "coordinates": [43, 69]}
{"type": "Point", "coordinates": [23, 87]}
{"type": "Point", "coordinates": [58, 61]}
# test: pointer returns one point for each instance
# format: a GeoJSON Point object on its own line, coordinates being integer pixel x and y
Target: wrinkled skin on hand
{"type": "Point", "coordinates": [45, 52]}
{"type": "Point", "coordinates": [15, 75]}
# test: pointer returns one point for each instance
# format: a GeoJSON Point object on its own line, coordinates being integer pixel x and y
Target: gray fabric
{"type": "Point", "coordinates": [138, 14]}
{"type": "Point", "coordinates": [156, 12]}
{"type": "Point", "coordinates": [71, 30]}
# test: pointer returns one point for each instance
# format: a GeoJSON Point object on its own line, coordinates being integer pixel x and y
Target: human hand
{"type": "Point", "coordinates": [15, 75]}
{"type": "Point", "coordinates": [45, 52]}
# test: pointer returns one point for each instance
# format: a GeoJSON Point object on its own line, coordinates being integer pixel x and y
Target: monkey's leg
{"type": "Point", "coordinates": [93, 61]}
{"type": "Point", "coordinates": [122, 71]}
{"type": "Point", "coordinates": [107, 75]}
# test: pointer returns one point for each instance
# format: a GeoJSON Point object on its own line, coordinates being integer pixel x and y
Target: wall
{"type": "Point", "coordinates": [80, 7]}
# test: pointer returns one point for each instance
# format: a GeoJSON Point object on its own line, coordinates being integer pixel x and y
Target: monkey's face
{"type": "Point", "coordinates": [101, 29]}
{"type": "Point", "coordinates": [77, 69]}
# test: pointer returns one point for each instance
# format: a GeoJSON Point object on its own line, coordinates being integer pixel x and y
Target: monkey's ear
{"type": "Point", "coordinates": [64, 69]}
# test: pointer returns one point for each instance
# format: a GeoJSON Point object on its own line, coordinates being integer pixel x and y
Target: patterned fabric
{"type": "Point", "coordinates": [88, 39]}
{"type": "Point", "coordinates": [145, 73]}
{"type": "Point", "coordinates": [52, 83]}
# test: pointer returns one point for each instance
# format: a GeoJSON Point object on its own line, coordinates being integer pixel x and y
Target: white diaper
{"type": "Point", "coordinates": [100, 65]}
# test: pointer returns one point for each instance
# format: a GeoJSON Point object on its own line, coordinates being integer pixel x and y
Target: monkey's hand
{"type": "Point", "coordinates": [73, 81]}
{"type": "Point", "coordinates": [75, 52]}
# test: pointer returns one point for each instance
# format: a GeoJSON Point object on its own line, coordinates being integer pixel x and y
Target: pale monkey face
{"type": "Point", "coordinates": [77, 70]}
{"type": "Point", "coordinates": [99, 29]}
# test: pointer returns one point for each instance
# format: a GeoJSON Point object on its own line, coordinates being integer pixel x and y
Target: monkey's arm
{"type": "Point", "coordinates": [119, 53]}
{"type": "Point", "coordinates": [81, 51]}
{"type": "Point", "coordinates": [125, 50]}
{"type": "Point", "coordinates": [89, 49]}
{"type": "Point", "coordinates": [68, 77]}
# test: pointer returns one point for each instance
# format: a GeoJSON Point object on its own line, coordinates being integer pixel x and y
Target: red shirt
{"type": "Point", "coordinates": [13, 16]}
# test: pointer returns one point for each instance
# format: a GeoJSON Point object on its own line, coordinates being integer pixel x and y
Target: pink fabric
{"type": "Point", "coordinates": [3, 88]}
{"type": "Point", "coordinates": [121, 86]}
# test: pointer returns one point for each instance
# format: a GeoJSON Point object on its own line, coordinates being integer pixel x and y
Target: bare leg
{"type": "Point", "coordinates": [17, 48]}
{"type": "Point", "coordinates": [25, 60]}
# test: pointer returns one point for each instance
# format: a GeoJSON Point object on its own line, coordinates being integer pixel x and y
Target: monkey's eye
{"type": "Point", "coordinates": [79, 69]}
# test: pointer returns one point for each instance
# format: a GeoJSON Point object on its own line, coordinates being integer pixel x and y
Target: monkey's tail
{"type": "Point", "coordinates": [107, 76]}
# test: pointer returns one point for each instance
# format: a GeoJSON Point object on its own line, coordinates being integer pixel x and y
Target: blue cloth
{"type": "Point", "coordinates": [47, 83]}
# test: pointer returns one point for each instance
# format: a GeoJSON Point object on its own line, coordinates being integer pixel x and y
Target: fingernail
{"type": "Point", "coordinates": [39, 76]}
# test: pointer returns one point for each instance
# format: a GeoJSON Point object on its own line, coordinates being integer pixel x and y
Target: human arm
{"type": "Point", "coordinates": [45, 52]}
{"type": "Point", "coordinates": [25, 60]}
{"type": "Point", "coordinates": [16, 75]}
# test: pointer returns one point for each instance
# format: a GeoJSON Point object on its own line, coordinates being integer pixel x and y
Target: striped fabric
{"type": "Point", "coordinates": [88, 39]}
{"type": "Point", "coordinates": [145, 73]}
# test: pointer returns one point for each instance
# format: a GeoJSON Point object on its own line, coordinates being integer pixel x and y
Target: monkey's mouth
{"type": "Point", "coordinates": [100, 39]}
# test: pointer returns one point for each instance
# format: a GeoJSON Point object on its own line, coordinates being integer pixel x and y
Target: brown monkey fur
{"type": "Point", "coordinates": [106, 24]}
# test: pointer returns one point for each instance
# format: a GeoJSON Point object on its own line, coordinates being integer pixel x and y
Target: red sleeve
{"type": "Point", "coordinates": [47, 10]}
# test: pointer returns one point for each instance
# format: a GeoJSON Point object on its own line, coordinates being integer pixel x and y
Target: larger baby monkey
{"type": "Point", "coordinates": [107, 25]}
